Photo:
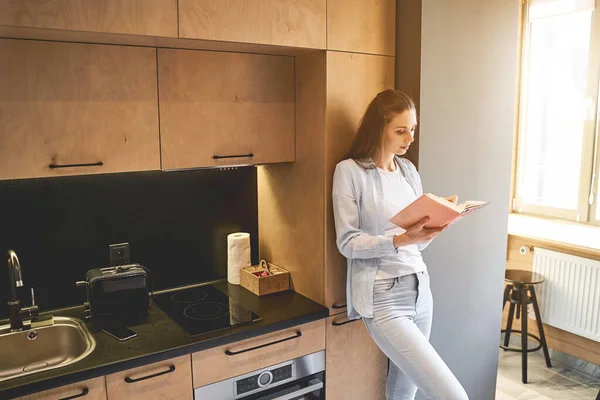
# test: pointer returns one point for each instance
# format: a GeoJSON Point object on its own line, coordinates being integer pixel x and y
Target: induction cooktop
{"type": "Point", "coordinates": [204, 309]}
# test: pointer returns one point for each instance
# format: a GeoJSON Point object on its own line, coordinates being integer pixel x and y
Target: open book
{"type": "Point", "coordinates": [439, 210]}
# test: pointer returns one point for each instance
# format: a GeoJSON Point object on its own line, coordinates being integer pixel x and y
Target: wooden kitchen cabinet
{"type": "Point", "coordinates": [356, 368]}
{"type": "Point", "coordinates": [65, 104]}
{"type": "Point", "coordinates": [92, 389]}
{"type": "Point", "coordinates": [295, 209]}
{"type": "Point", "coordinates": [295, 23]}
{"type": "Point", "coordinates": [170, 379]}
{"type": "Point", "coordinates": [362, 26]}
{"type": "Point", "coordinates": [238, 358]}
{"type": "Point", "coordinates": [353, 80]}
{"type": "Point", "coordinates": [220, 108]}
{"type": "Point", "coordinates": [136, 17]}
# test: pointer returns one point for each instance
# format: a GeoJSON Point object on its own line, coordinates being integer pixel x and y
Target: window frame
{"type": "Point", "coordinates": [590, 151]}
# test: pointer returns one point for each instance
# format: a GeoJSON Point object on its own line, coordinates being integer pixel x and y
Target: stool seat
{"type": "Point", "coordinates": [519, 293]}
{"type": "Point", "coordinates": [520, 276]}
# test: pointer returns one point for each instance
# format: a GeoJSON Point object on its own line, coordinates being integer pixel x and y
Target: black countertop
{"type": "Point", "coordinates": [159, 338]}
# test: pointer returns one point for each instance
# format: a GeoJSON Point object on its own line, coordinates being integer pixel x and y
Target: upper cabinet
{"type": "Point", "coordinates": [71, 109]}
{"type": "Point", "coordinates": [220, 108]}
{"type": "Point", "coordinates": [136, 17]}
{"type": "Point", "coordinates": [296, 23]}
{"type": "Point", "coordinates": [362, 26]}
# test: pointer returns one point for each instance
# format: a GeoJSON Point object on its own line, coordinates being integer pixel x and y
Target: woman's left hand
{"type": "Point", "coordinates": [452, 199]}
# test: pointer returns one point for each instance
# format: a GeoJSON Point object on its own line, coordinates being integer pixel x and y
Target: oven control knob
{"type": "Point", "coordinates": [265, 379]}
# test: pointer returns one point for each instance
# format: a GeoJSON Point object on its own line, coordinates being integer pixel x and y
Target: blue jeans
{"type": "Point", "coordinates": [401, 324]}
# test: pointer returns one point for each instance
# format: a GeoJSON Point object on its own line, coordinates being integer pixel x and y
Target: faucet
{"type": "Point", "coordinates": [15, 280]}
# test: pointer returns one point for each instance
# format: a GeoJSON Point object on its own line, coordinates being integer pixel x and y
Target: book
{"type": "Point", "coordinates": [439, 210]}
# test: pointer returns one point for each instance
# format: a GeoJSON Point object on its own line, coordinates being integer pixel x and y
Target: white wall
{"type": "Point", "coordinates": [468, 85]}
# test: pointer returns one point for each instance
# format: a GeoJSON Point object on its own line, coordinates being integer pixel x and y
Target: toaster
{"type": "Point", "coordinates": [117, 293]}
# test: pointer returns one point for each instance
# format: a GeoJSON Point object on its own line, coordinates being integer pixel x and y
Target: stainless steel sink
{"type": "Point", "coordinates": [41, 349]}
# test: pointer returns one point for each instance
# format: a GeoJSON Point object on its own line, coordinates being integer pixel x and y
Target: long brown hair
{"type": "Point", "coordinates": [380, 111]}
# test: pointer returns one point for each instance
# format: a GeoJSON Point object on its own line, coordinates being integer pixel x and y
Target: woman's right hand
{"type": "Point", "coordinates": [418, 234]}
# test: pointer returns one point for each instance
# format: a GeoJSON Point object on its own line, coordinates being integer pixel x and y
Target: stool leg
{"type": "Point", "coordinates": [540, 325]}
{"type": "Point", "coordinates": [509, 322]}
{"type": "Point", "coordinates": [506, 293]}
{"type": "Point", "coordinates": [524, 333]}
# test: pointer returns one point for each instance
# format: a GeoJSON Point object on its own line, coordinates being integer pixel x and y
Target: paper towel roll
{"type": "Point", "coordinates": [238, 255]}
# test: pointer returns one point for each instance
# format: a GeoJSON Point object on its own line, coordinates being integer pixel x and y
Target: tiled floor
{"type": "Point", "coordinates": [544, 383]}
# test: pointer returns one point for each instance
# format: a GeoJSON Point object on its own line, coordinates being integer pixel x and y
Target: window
{"type": "Point", "coordinates": [558, 130]}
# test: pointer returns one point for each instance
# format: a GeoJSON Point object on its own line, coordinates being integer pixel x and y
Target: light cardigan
{"type": "Point", "coordinates": [358, 209]}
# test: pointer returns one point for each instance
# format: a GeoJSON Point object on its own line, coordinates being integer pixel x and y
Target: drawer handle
{"type": "Point", "coordinates": [96, 164]}
{"type": "Point", "coordinates": [233, 353]}
{"type": "Point", "coordinates": [130, 380]}
{"type": "Point", "coordinates": [334, 323]}
{"type": "Point", "coordinates": [84, 392]}
{"type": "Point", "coordinates": [336, 307]}
{"type": "Point", "coordinates": [249, 155]}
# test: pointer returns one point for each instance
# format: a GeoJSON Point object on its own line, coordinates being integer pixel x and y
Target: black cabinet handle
{"type": "Point", "coordinates": [130, 380]}
{"type": "Point", "coordinates": [233, 353]}
{"type": "Point", "coordinates": [96, 164]}
{"type": "Point", "coordinates": [250, 155]}
{"type": "Point", "coordinates": [84, 392]}
{"type": "Point", "coordinates": [334, 323]}
{"type": "Point", "coordinates": [336, 307]}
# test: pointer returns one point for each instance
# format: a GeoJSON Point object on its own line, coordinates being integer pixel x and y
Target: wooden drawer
{"type": "Point", "coordinates": [170, 379]}
{"type": "Point", "coordinates": [137, 17]}
{"type": "Point", "coordinates": [356, 368]}
{"type": "Point", "coordinates": [238, 358]}
{"type": "Point", "coordinates": [92, 389]}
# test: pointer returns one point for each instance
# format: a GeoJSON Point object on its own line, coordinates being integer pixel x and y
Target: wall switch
{"type": "Point", "coordinates": [119, 254]}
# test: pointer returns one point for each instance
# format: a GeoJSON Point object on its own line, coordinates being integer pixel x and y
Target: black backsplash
{"type": "Point", "coordinates": [175, 222]}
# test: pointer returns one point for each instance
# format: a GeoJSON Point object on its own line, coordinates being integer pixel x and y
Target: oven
{"type": "Point", "coordinates": [299, 379]}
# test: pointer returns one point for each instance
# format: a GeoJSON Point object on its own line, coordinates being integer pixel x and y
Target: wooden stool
{"type": "Point", "coordinates": [519, 293]}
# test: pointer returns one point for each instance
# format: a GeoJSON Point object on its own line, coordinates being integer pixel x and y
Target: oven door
{"type": "Point", "coordinates": [308, 388]}
{"type": "Point", "coordinates": [298, 379]}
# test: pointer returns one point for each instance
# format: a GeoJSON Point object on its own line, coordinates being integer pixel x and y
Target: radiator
{"type": "Point", "coordinates": [570, 295]}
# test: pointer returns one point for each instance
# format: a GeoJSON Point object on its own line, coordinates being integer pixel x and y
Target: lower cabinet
{"type": "Point", "coordinates": [356, 368]}
{"type": "Point", "coordinates": [238, 358]}
{"type": "Point", "coordinates": [170, 379]}
{"type": "Point", "coordinates": [92, 389]}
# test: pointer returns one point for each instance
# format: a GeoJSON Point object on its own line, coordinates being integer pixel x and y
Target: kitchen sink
{"type": "Point", "coordinates": [26, 352]}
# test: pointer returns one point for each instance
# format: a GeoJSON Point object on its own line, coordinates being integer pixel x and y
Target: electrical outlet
{"type": "Point", "coordinates": [119, 254]}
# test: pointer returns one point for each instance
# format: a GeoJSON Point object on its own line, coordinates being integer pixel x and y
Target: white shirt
{"type": "Point", "coordinates": [397, 195]}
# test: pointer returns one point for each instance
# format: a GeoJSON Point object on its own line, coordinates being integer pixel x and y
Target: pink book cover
{"type": "Point", "coordinates": [438, 212]}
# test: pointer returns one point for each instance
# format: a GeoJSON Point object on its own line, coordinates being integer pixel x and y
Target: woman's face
{"type": "Point", "coordinates": [399, 133]}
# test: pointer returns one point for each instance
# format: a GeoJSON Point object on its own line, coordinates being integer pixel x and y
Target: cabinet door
{"type": "Point", "coordinates": [295, 23]}
{"type": "Point", "coordinates": [221, 108]}
{"type": "Point", "coordinates": [238, 358]}
{"type": "Point", "coordinates": [137, 17]}
{"type": "Point", "coordinates": [356, 368]}
{"type": "Point", "coordinates": [70, 109]}
{"type": "Point", "coordinates": [92, 389]}
{"type": "Point", "coordinates": [171, 379]}
{"type": "Point", "coordinates": [353, 80]}
{"type": "Point", "coordinates": [362, 26]}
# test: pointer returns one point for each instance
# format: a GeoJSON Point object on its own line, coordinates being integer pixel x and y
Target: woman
{"type": "Point", "coordinates": [388, 283]}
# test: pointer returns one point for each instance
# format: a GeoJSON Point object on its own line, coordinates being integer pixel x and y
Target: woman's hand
{"type": "Point", "coordinates": [452, 199]}
{"type": "Point", "coordinates": [418, 234]}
